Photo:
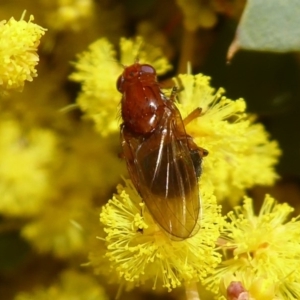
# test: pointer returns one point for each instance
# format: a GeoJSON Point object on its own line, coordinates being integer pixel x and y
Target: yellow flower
{"type": "Point", "coordinates": [71, 285]}
{"type": "Point", "coordinates": [97, 70]}
{"type": "Point", "coordinates": [262, 252]}
{"type": "Point", "coordinates": [151, 256]}
{"type": "Point", "coordinates": [198, 13]}
{"type": "Point", "coordinates": [81, 175]}
{"type": "Point", "coordinates": [240, 153]}
{"type": "Point", "coordinates": [62, 226]}
{"type": "Point", "coordinates": [18, 46]}
{"type": "Point", "coordinates": [26, 156]}
{"type": "Point", "coordinates": [68, 14]}
{"type": "Point", "coordinates": [89, 162]}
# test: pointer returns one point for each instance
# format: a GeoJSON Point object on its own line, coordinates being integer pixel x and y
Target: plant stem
{"type": "Point", "coordinates": [191, 292]}
{"type": "Point", "coordinates": [187, 51]}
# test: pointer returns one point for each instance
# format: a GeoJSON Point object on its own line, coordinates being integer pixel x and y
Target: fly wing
{"type": "Point", "coordinates": [167, 180]}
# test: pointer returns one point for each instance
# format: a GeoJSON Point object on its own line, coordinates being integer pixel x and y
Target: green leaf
{"type": "Point", "coordinates": [269, 25]}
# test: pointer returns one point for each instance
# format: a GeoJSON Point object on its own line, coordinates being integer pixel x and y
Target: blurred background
{"type": "Point", "coordinates": [35, 247]}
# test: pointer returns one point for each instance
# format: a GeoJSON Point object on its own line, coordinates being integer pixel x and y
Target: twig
{"type": "Point", "coordinates": [191, 292]}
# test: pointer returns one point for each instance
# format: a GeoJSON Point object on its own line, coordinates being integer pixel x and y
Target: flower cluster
{"type": "Point", "coordinates": [68, 14]}
{"type": "Point", "coordinates": [224, 128]}
{"type": "Point", "coordinates": [65, 187]}
{"type": "Point", "coordinates": [198, 14]}
{"type": "Point", "coordinates": [238, 148]}
{"type": "Point", "coordinates": [70, 285]}
{"type": "Point", "coordinates": [18, 58]}
{"type": "Point", "coordinates": [25, 164]}
{"type": "Point", "coordinates": [139, 251]}
{"type": "Point", "coordinates": [97, 70]}
{"type": "Point", "coordinates": [261, 252]}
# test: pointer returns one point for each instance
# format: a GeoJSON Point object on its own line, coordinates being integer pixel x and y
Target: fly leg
{"type": "Point", "coordinates": [173, 93]}
{"type": "Point", "coordinates": [196, 113]}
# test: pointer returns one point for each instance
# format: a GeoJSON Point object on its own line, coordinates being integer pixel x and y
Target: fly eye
{"type": "Point", "coordinates": [120, 84]}
{"type": "Point", "coordinates": [147, 69]}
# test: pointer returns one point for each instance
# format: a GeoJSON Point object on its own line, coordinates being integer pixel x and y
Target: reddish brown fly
{"type": "Point", "coordinates": [163, 161]}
